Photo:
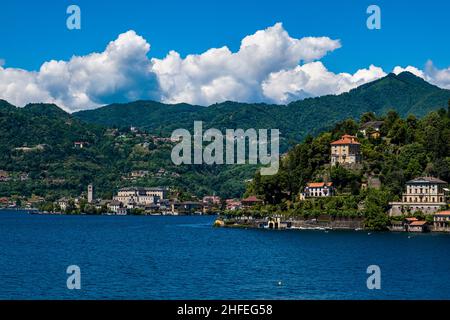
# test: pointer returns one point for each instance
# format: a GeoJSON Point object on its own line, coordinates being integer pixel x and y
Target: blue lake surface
{"type": "Point", "coordinates": [167, 257]}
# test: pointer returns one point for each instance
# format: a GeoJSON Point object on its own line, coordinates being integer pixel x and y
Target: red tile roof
{"type": "Point", "coordinates": [319, 184]}
{"type": "Point", "coordinates": [443, 213]}
{"type": "Point", "coordinates": [418, 223]}
{"type": "Point", "coordinates": [252, 199]}
{"type": "Point", "coordinates": [346, 139]}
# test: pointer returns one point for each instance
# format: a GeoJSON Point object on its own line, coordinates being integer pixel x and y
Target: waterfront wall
{"type": "Point", "coordinates": [344, 224]}
{"type": "Point", "coordinates": [322, 222]}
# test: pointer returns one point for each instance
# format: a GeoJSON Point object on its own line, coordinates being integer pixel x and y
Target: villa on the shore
{"type": "Point", "coordinates": [442, 221]}
{"type": "Point", "coordinates": [425, 194]}
{"type": "Point", "coordinates": [418, 226]}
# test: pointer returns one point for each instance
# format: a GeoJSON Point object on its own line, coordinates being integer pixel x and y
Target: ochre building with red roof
{"type": "Point", "coordinates": [346, 151]}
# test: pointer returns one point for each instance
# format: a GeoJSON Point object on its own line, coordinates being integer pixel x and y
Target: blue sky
{"type": "Point", "coordinates": [413, 32]}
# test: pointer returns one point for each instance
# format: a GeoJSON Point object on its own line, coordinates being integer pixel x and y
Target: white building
{"type": "Point", "coordinates": [319, 189]}
{"type": "Point", "coordinates": [114, 206]}
{"type": "Point", "coordinates": [442, 221]}
{"type": "Point", "coordinates": [426, 194]}
{"type": "Point", "coordinates": [63, 203]}
{"type": "Point", "coordinates": [132, 197]}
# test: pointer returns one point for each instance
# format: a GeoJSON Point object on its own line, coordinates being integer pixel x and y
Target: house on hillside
{"type": "Point", "coordinates": [211, 200]}
{"type": "Point", "coordinates": [233, 204]}
{"type": "Point", "coordinates": [80, 144]}
{"type": "Point", "coordinates": [139, 174]}
{"type": "Point", "coordinates": [346, 151]}
{"type": "Point", "coordinates": [251, 201]}
{"type": "Point", "coordinates": [319, 189]}
{"type": "Point", "coordinates": [371, 129]}
{"type": "Point", "coordinates": [4, 176]}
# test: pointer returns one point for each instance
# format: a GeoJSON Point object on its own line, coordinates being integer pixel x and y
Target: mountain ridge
{"type": "Point", "coordinates": [404, 93]}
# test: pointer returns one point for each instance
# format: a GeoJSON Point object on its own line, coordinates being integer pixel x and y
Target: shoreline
{"type": "Point", "coordinates": [35, 211]}
{"type": "Point", "coordinates": [280, 224]}
{"type": "Point", "coordinates": [326, 230]}
{"type": "Point", "coordinates": [251, 223]}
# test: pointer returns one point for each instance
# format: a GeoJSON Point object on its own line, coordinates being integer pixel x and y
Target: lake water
{"type": "Point", "coordinates": [185, 258]}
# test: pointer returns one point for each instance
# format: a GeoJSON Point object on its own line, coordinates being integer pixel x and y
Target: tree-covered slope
{"type": "Point", "coordinates": [404, 93]}
{"type": "Point", "coordinates": [406, 149]}
{"type": "Point", "coordinates": [39, 156]}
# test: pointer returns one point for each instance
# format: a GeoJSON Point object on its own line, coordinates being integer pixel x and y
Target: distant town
{"type": "Point", "coordinates": [130, 201]}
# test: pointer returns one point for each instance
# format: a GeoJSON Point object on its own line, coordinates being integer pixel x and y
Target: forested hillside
{"type": "Point", "coordinates": [404, 93]}
{"type": "Point", "coordinates": [407, 148]}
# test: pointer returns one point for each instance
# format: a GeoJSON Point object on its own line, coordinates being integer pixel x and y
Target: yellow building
{"type": "Point", "coordinates": [372, 129]}
{"type": "Point", "coordinates": [346, 151]}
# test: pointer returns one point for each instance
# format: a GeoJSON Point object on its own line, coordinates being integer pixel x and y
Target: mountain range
{"type": "Point", "coordinates": [39, 138]}
{"type": "Point", "coordinates": [404, 93]}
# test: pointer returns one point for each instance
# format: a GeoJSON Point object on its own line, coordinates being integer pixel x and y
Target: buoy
{"type": "Point", "coordinates": [279, 283]}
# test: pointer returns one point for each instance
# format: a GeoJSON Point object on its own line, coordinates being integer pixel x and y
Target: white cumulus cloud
{"type": "Point", "coordinates": [313, 79]}
{"type": "Point", "coordinates": [269, 66]}
{"type": "Point", "coordinates": [120, 73]}
{"type": "Point", "coordinates": [219, 74]}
